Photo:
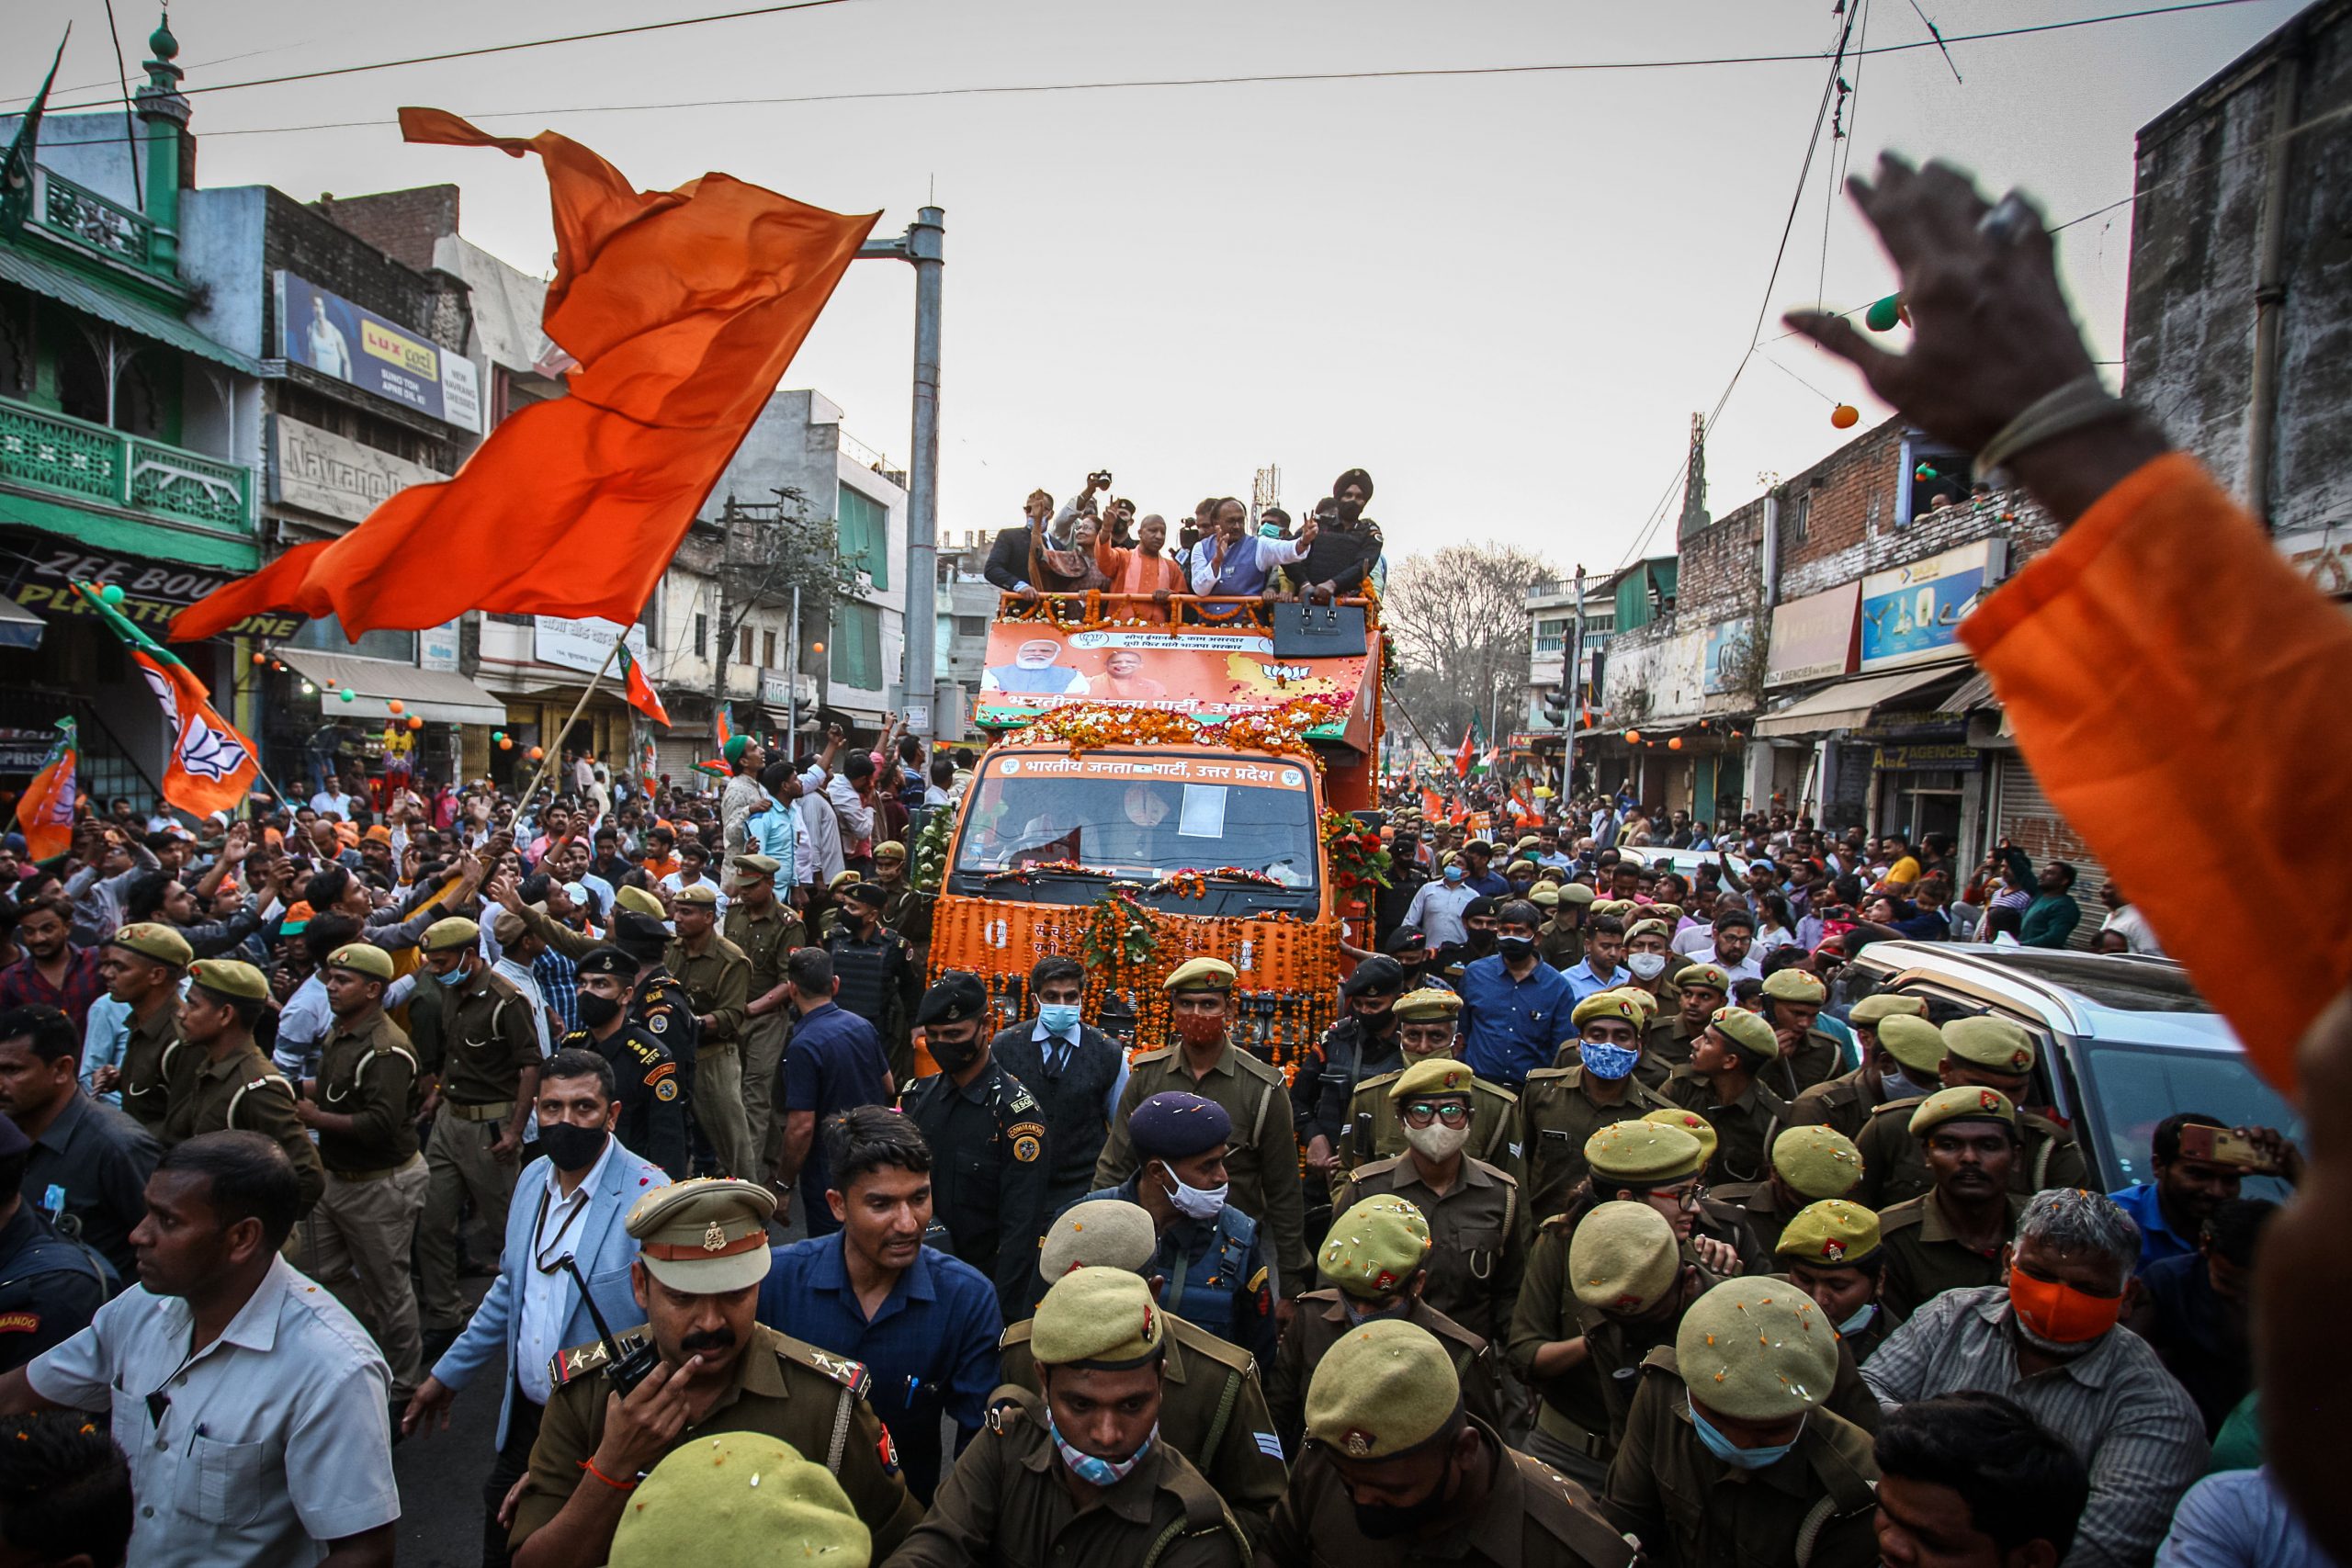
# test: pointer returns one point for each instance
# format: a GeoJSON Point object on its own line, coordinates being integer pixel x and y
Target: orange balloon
{"type": "Point", "coordinates": [394, 705]}
{"type": "Point", "coordinates": [506, 745]}
{"type": "Point", "coordinates": [1674, 744]}
{"type": "Point", "coordinates": [537, 753]}
{"type": "Point", "coordinates": [1845, 416]}
{"type": "Point", "coordinates": [1632, 737]}
{"type": "Point", "coordinates": [414, 722]}
{"type": "Point", "coordinates": [261, 658]}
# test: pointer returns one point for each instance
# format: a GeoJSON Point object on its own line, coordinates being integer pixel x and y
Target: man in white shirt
{"type": "Point", "coordinates": [249, 1402]}
{"type": "Point", "coordinates": [332, 802]}
{"type": "Point", "coordinates": [2138, 935]}
{"type": "Point", "coordinates": [693, 870]}
{"type": "Point", "coordinates": [569, 1205]}
{"type": "Point", "coordinates": [1734, 951]}
{"type": "Point", "coordinates": [1436, 910]}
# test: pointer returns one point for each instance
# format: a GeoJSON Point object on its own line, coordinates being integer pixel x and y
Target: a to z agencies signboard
{"type": "Point", "coordinates": [334, 337]}
{"type": "Point", "coordinates": [1911, 615]}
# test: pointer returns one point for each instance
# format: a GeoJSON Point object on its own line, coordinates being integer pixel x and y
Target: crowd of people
{"type": "Point", "coordinates": [1585, 1236]}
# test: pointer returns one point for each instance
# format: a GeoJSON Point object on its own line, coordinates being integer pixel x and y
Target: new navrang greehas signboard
{"type": "Point", "coordinates": [334, 337]}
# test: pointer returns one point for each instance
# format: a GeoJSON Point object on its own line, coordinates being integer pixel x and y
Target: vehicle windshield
{"type": "Point", "coordinates": [2131, 1087]}
{"type": "Point", "coordinates": [1139, 827]}
{"type": "Point", "coordinates": [2127, 985]}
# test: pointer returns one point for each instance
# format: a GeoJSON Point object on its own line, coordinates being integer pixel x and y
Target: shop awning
{"type": "Point", "coordinates": [1846, 705]}
{"type": "Point", "coordinates": [148, 322]}
{"type": "Point", "coordinates": [19, 627]}
{"type": "Point", "coordinates": [436, 696]}
{"type": "Point", "coordinates": [1976, 692]}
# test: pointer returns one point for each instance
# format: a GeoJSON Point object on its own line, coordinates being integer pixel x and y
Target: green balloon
{"type": "Point", "coordinates": [345, 693]}
{"type": "Point", "coordinates": [497, 735]}
{"type": "Point", "coordinates": [111, 593]}
{"type": "Point", "coordinates": [1885, 313]}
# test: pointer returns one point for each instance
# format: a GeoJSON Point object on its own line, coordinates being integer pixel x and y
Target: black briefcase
{"type": "Point", "coordinates": [1319, 631]}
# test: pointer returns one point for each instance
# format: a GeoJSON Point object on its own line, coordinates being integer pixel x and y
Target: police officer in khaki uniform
{"type": "Point", "coordinates": [1846, 1101]}
{"type": "Point", "coordinates": [358, 1239]}
{"type": "Point", "coordinates": [1478, 1228]}
{"type": "Point", "coordinates": [231, 1084]}
{"type": "Point", "coordinates": [717, 978]}
{"type": "Point", "coordinates": [1563, 1105]}
{"type": "Point", "coordinates": [1386, 1420]}
{"type": "Point", "coordinates": [1377, 1259]}
{"type": "Point", "coordinates": [1075, 1474]}
{"type": "Point", "coordinates": [1560, 939]}
{"type": "Point", "coordinates": [1731, 1453]}
{"type": "Point", "coordinates": [1650, 1069]}
{"type": "Point", "coordinates": [1831, 1251]}
{"type": "Point", "coordinates": [766, 929]}
{"type": "Point", "coordinates": [489, 1074]}
{"type": "Point", "coordinates": [1701, 990]}
{"type": "Point", "coordinates": [1953, 1236]}
{"type": "Point", "coordinates": [142, 966]}
{"type": "Point", "coordinates": [1724, 1082]}
{"type": "Point", "coordinates": [702, 1252]}
{"type": "Point", "coordinates": [1658, 1159]}
{"type": "Point", "coordinates": [744, 1500]}
{"type": "Point", "coordinates": [1262, 1162]}
{"type": "Point", "coordinates": [1212, 1407]}
{"type": "Point", "coordinates": [1981, 1053]}
{"type": "Point", "coordinates": [1428, 1024]}
{"type": "Point", "coordinates": [906, 909]}
{"type": "Point", "coordinates": [1599, 1296]}
{"type": "Point", "coordinates": [1809, 1055]}
{"type": "Point", "coordinates": [1807, 1165]}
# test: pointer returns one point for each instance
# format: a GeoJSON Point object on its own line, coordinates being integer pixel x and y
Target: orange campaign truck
{"type": "Point", "coordinates": [1164, 785]}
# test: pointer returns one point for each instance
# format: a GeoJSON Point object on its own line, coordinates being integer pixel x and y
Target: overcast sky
{"type": "Point", "coordinates": [1504, 294]}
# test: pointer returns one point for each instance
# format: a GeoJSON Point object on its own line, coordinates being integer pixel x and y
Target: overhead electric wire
{"type": "Point", "coordinates": [986, 90]}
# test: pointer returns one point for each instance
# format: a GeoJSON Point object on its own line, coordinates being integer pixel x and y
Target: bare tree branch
{"type": "Point", "coordinates": [1459, 620]}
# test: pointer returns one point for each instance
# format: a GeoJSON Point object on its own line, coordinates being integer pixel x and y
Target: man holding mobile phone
{"type": "Point", "coordinates": [2198, 1163]}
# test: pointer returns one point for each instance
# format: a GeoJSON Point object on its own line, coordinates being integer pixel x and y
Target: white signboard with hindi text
{"type": "Point", "coordinates": [581, 644]}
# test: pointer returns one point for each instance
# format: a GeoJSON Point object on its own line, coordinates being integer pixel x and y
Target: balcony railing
{"type": "Point", "coordinates": [80, 461]}
{"type": "Point", "coordinates": [81, 217]}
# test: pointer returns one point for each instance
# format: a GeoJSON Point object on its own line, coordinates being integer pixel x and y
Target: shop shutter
{"type": "Point", "coordinates": [2023, 814]}
{"type": "Point", "coordinates": [676, 755]}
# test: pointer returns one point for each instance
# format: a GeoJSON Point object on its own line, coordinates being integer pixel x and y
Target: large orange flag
{"type": "Point", "coordinates": [682, 308]}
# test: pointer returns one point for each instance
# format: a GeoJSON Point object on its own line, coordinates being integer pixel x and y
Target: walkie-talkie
{"type": "Point", "coordinates": [623, 1368]}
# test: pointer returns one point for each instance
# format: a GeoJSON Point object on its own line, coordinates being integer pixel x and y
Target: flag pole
{"type": "Point", "coordinates": [554, 749]}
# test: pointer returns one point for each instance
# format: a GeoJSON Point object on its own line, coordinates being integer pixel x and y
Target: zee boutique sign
{"type": "Point", "coordinates": [153, 591]}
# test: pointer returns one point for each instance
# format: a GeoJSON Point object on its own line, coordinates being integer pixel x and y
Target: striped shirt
{"type": "Point", "coordinates": [558, 977]}
{"type": "Point", "coordinates": [2116, 1408]}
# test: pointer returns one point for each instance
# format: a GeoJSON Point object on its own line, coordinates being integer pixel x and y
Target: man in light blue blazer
{"type": "Point", "coordinates": [563, 1227]}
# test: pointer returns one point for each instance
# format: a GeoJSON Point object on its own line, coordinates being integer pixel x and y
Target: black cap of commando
{"type": "Point", "coordinates": [955, 998]}
{"type": "Point", "coordinates": [609, 961]}
{"type": "Point", "coordinates": [1379, 975]}
{"type": "Point", "coordinates": [869, 893]}
{"type": "Point", "coordinates": [641, 936]}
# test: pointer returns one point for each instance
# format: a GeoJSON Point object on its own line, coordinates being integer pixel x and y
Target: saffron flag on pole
{"type": "Point", "coordinates": [46, 811]}
{"type": "Point", "coordinates": [211, 767]}
{"type": "Point", "coordinates": [722, 724]}
{"type": "Point", "coordinates": [682, 308]}
{"type": "Point", "coordinates": [1461, 758]}
{"type": "Point", "coordinates": [640, 693]}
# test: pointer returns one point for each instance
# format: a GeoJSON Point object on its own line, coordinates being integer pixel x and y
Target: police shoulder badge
{"type": "Point", "coordinates": [659, 1023]}
{"type": "Point", "coordinates": [1028, 1140]}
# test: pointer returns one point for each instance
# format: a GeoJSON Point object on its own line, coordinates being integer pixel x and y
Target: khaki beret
{"type": "Point", "coordinates": [1912, 1040]}
{"type": "Point", "coordinates": [228, 978]}
{"type": "Point", "coordinates": [455, 931]}
{"type": "Point", "coordinates": [149, 939]}
{"type": "Point", "coordinates": [1612, 906]}
{"type": "Point", "coordinates": [704, 1236]}
{"type": "Point", "coordinates": [1705, 977]}
{"type": "Point", "coordinates": [1433, 1075]}
{"type": "Point", "coordinates": [739, 1498]}
{"type": "Point", "coordinates": [1648, 928]}
{"type": "Point", "coordinates": [701, 894]}
{"type": "Point", "coordinates": [844, 880]}
{"type": "Point", "coordinates": [1643, 1003]}
{"type": "Point", "coordinates": [1376, 1247]}
{"type": "Point", "coordinates": [508, 929]}
{"type": "Point", "coordinates": [1669, 913]}
{"type": "Point", "coordinates": [1098, 1232]}
{"type": "Point", "coordinates": [1962, 1102]}
{"type": "Point", "coordinates": [1543, 895]}
{"type": "Point", "coordinates": [1607, 1004]}
{"type": "Point", "coordinates": [1994, 1042]}
{"type": "Point", "coordinates": [1387, 1387]}
{"type": "Point", "coordinates": [890, 850]}
{"type": "Point", "coordinates": [640, 902]}
{"type": "Point", "coordinates": [1794, 985]}
{"type": "Point", "coordinates": [1486, 844]}
{"type": "Point", "coordinates": [1576, 893]}
{"type": "Point", "coordinates": [1757, 1349]}
{"type": "Point", "coordinates": [1818, 1161]}
{"type": "Point", "coordinates": [1526, 841]}
{"type": "Point", "coordinates": [750, 868]}
{"type": "Point", "coordinates": [361, 958]}
{"type": "Point", "coordinates": [1690, 1122]}
{"type": "Point", "coordinates": [1830, 1233]}
{"type": "Point", "coordinates": [1427, 1004]}
{"type": "Point", "coordinates": [1643, 1151]}
{"type": "Point", "coordinates": [1748, 1031]}
{"type": "Point", "coordinates": [1880, 1005]}
{"type": "Point", "coordinates": [1097, 1317]}
{"type": "Point", "coordinates": [1201, 975]}
{"type": "Point", "coordinates": [1623, 1259]}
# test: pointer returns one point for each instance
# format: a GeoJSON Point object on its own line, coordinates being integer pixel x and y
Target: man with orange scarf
{"type": "Point", "coordinates": [1146, 571]}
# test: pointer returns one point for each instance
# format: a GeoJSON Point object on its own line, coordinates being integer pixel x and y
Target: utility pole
{"type": "Point", "coordinates": [1574, 681]}
{"type": "Point", "coordinates": [924, 247]}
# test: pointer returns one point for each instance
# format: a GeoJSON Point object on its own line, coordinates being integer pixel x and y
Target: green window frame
{"type": "Point", "coordinates": [864, 524]}
{"type": "Point", "coordinates": [857, 645]}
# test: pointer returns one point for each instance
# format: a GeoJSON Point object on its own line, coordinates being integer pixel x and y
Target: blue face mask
{"type": "Point", "coordinates": [1606, 1061]}
{"type": "Point", "coordinates": [1453, 874]}
{"type": "Point", "coordinates": [1059, 1018]}
{"type": "Point", "coordinates": [1094, 1471]}
{"type": "Point", "coordinates": [1859, 1321]}
{"type": "Point", "coordinates": [1732, 1454]}
{"type": "Point", "coordinates": [453, 978]}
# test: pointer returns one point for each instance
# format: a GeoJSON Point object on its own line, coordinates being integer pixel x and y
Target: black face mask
{"type": "Point", "coordinates": [953, 1055]}
{"type": "Point", "coordinates": [570, 1146]}
{"type": "Point", "coordinates": [1384, 1521]}
{"type": "Point", "coordinates": [596, 1011]}
{"type": "Point", "coordinates": [1514, 947]}
{"type": "Point", "coordinates": [1480, 943]}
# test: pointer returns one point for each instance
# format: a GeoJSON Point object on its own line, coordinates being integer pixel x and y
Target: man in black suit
{"type": "Point", "coordinates": [1073, 1069]}
{"type": "Point", "coordinates": [1008, 565]}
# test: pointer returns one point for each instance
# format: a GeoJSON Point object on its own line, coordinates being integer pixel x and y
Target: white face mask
{"type": "Point", "coordinates": [1899, 1085]}
{"type": "Point", "coordinates": [1647, 965]}
{"type": "Point", "coordinates": [1437, 1141]}
{"type": "Point", "coordinates": [1195, 1202]}
{"type": "Point", "coordinates": [1859, 1321]}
